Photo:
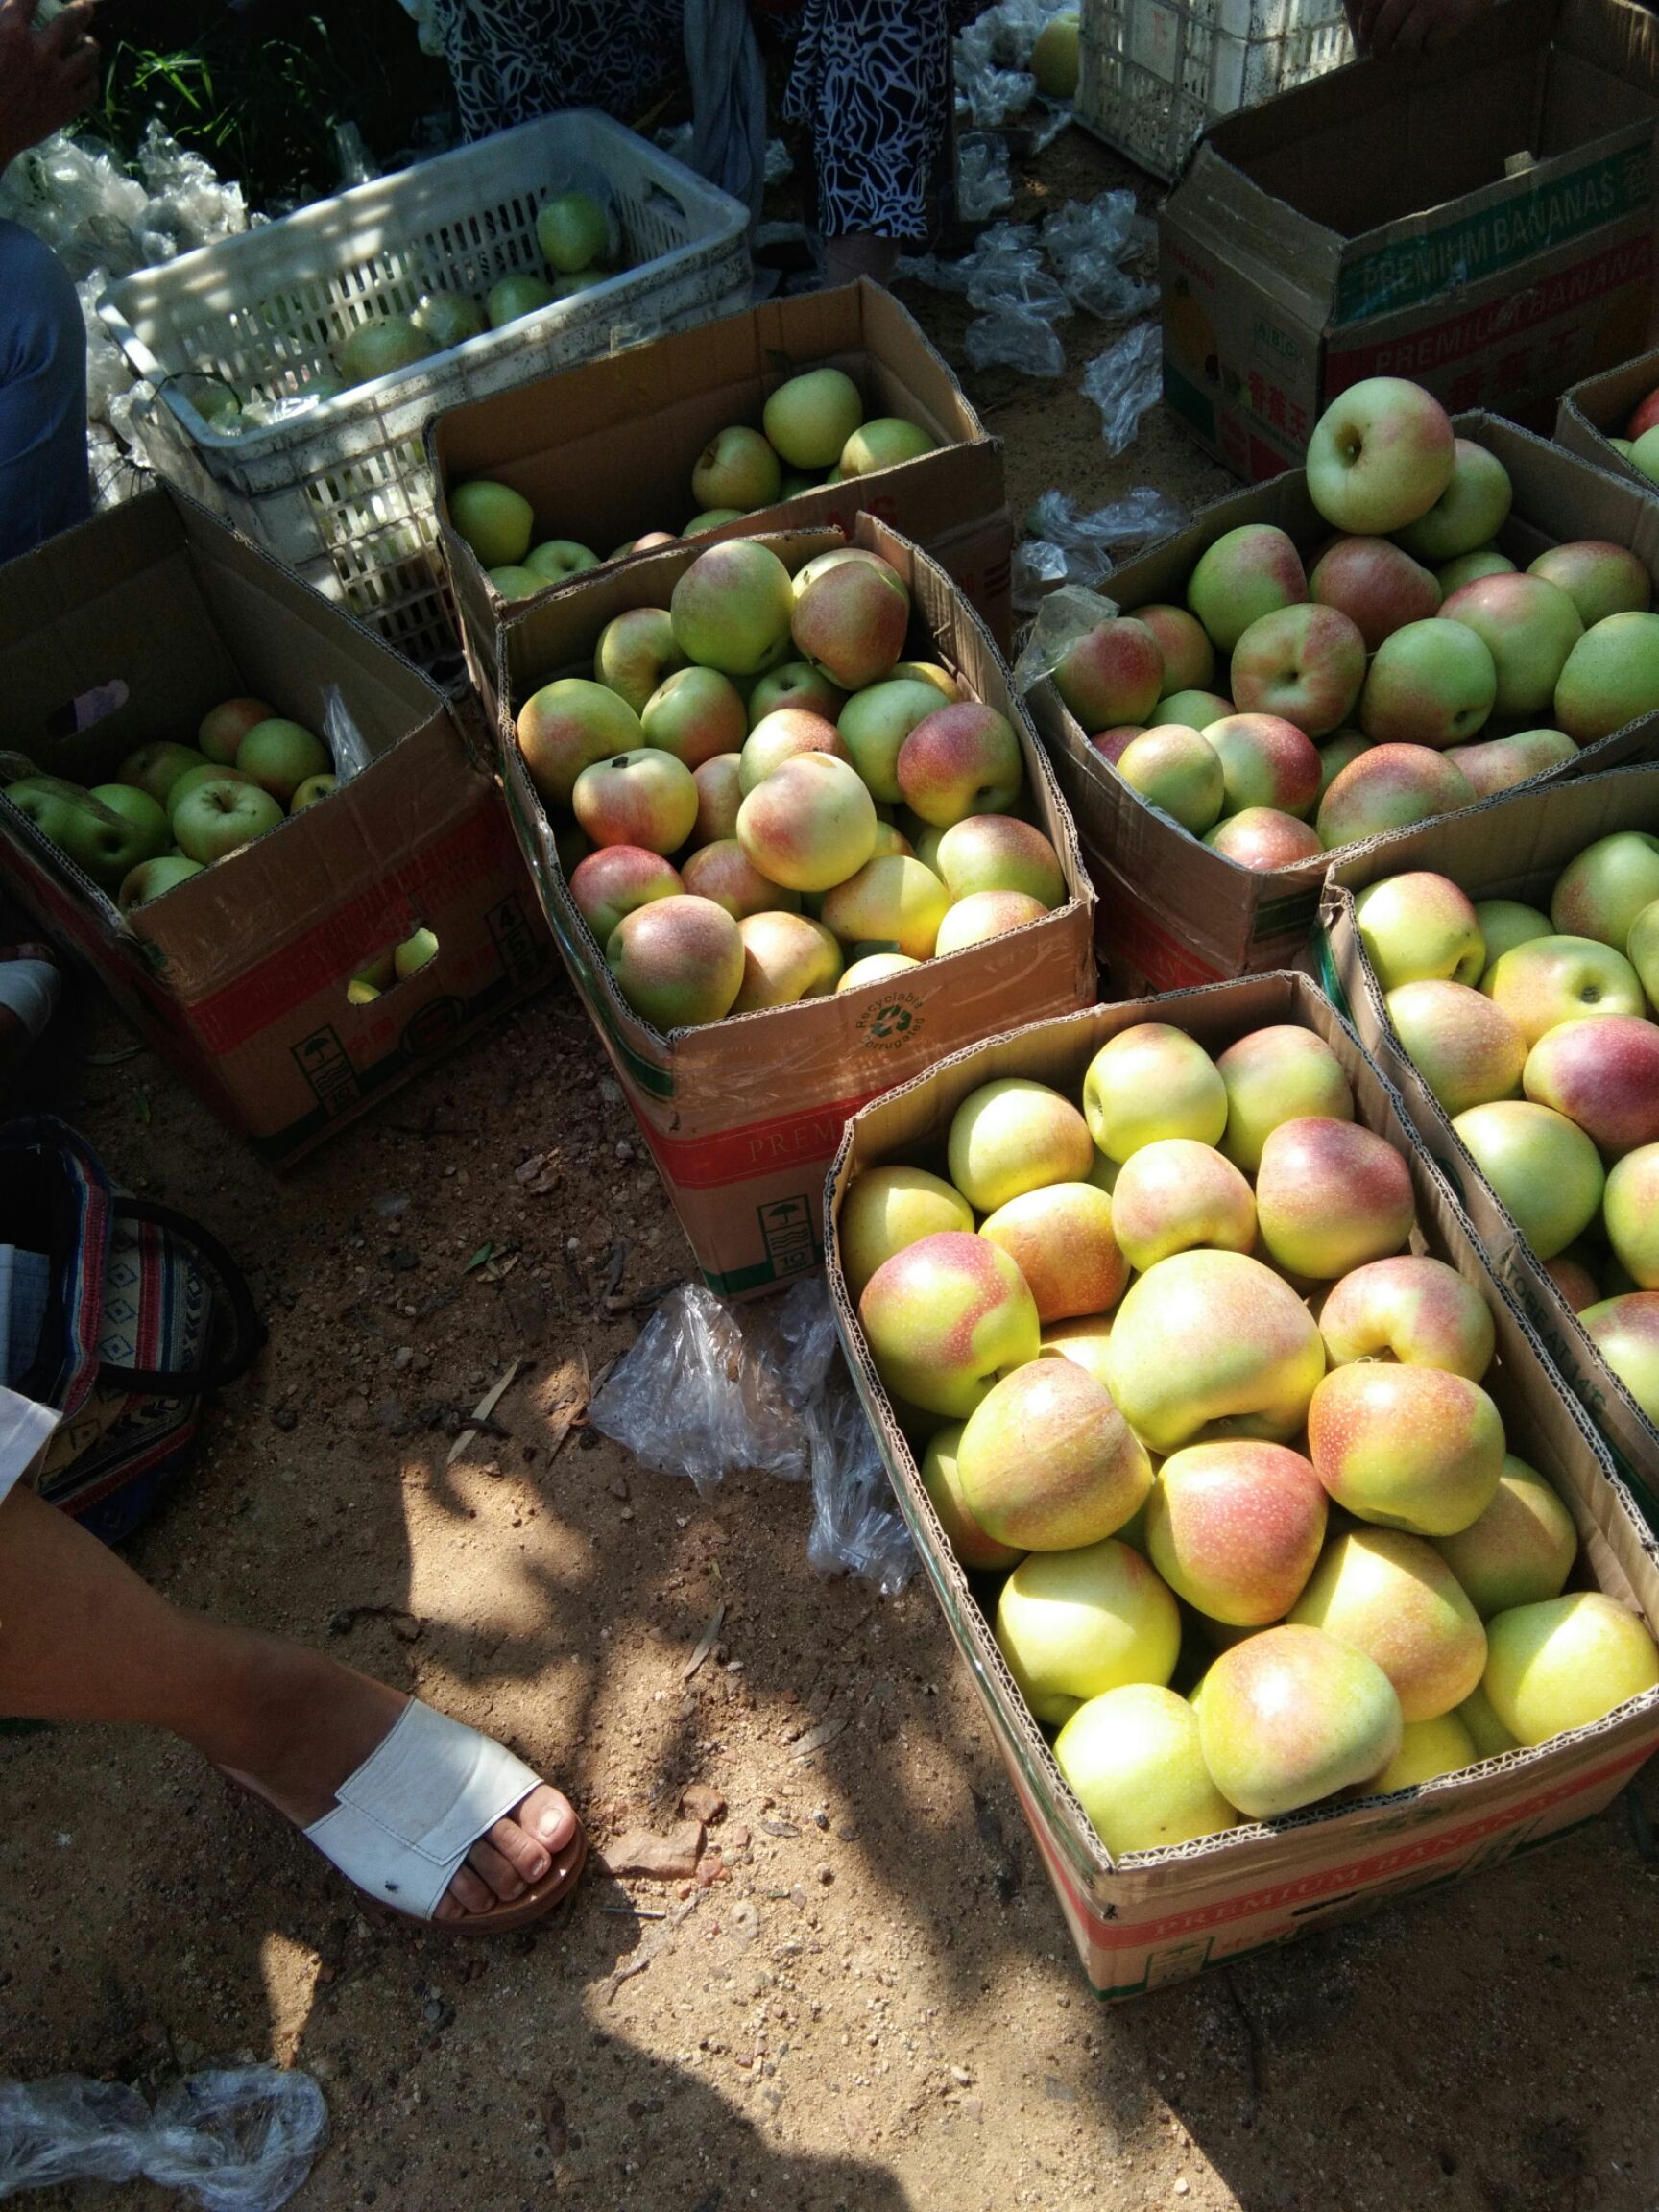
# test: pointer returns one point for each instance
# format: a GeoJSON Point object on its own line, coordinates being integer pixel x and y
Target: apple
{"type": "Point", "coordinates": [1631, 1209]}
{"type": "Point", "coordinates": [737, 468]}
{"type": "Point", "coordinates": [1056, 63]}
{"type": "Point", "coordinates": [1151, 1081]}
{"type": "Point", "coordinates": [1601, 891]}
{"type": "Point", "coordinates": [1246, 573]}
{"type": "Point", "coordinates": [558, 559]}
{"type": "Point", "coordinates": [1501, 763]}
{"type": "Point", "coordinates": [1013, 1135]}
{"type": "Point", "coordinates": [1551, 979]}
{"type": "Point", "coordinates": [677, 961]}
{"type": "Point", "coordinates": [1114, 673]}
{"type": "Point", "coordinates": [516, 582]}
{"type": "Point", "coordinates": [1520, 1550]}
{"type": "Point", "coordinates": [886, 1209]}
{"type": "Point", "coordinates": [191, 781]}
{"type": "Point", "coordinates": [1134, 1756]}
{"type": "Point", "coordinates": [1304, 663]}
{"type": "Point", "coordinates": [783, 734]}
{"type": "Point", "coordinates": [882, 442]}
{"type": "Point", "coordinates": [1391, 787]}
{"type": "Point", "coordinates": [1235, 1528]}
{"type": "Point", "coordinates": [496, 522]}
{"type": "Point", "coordinates": [730, 609]}
{"type": "Point", "coordinates": [1380, 587]}
{"type": "Point", "coordinates": [1177, 1196]}
{"type": "Point", "coordinates": [572, 230]}
{"type": "Point", "coordinates": [225, 726]}
{"type": "Point", "coordinates": [570, 724]}
{"type": "Point", "coordinates": [1573, 1281]}
{"type": "Point", "coordinates": [156, 768]}
{"type": "Point", "coordinates": [414, 953]}
{"type": "Point", "coordinates": [1084, 1340]}
{"type": "Point", "coordinates": [719, 795]}
{"type": "Point", "coordinates": [279, 755]}
{"type": "Point", "coordinates": [1485, 561]}
{"type": "Point", "coordinates": [786, 957]}
{"type": "Point", "coordinates": [645, 798]}
{"type": "Point", "coordinates": [1611, 677]}
{"type": "Point", "coordinates": [1188, 658]}
{"type": "Point", "coordinates": [876, 722]}
{"type": "Point", "coordinates": [891, 901]}
{"type": "Point", "coordinates": [1330, 1195]}
{"type": "Point", "coordinates": [1432, 683]}
{"type": "Point", "coordinates": [514, 296]}
{"type": "Point", "coordinates": [313, 788]}
{"type": "Point", "coordinates": [1179, 772]}
{"type": "Point", "coordinates": [1073, 1625]}
{"type": "Point", "coordinates": [960, 761]}
{"type": "Point", "coordinates": [873, 968]}
{"type": "Point", "coordinates": [1212, 1344]}
{"type": "Point", "coordinates": [1566, 1663]}
{"type": "Point", "coordinates": [1603, 1073]}
{"type": "Point", "coordinates": [984, 915]}
{"type": "Point", "coordinates": [929, 672]}
{"type": "Point", "coordinates": [1063, 1240]}
{"type": "Point", "coordinates": [1291, 1715]}
{"type": "Point", "coordinates": [1419, 925]}
{"type": "Point", "coordinates": [1047, 1461]}
{"type": "Point", "coordinates": [809, 418]}
{"type": "Point", "coordinates": [1273, 1076]}
{"type": "Point", "coordinates": [797, 683]}
{"type": "Point", "coordinates": [380, 348]}
{"type": "Point", "coordinates": [1428, 1749]}
{"type": "Point", "coordinates": [152, 877]}
{"type": "Point", "coordinates": [1265, 761]}
{"type": "Point", "coordinates": [1412, 1309]}
{"type": "Point", "coordinates": [998, 853]}
{"type": "Point", "coordinates": [1625, 1332]}
{"type": "Point", "coordinates": [1528, 626]}
{"type": "Point", "coordinates": [1486, 1732]}
{"type": "Point", "coordinates": [613, 881]}
{"type": "Point", "coordinates": [636, 653]}
{"type": "Point", "coordinates": [946, 1318]}
{"type": "Point", "coordinates": [850, 620]}
{"type": "Point", "coordinates": [1468, 514]}
{"type": "Point", "coordinates": [1391, 1594]}
{"type": "Point", "coordinates": [221, 817]}
{"type": "Point", "coordinates": [1506, 923]}
{"type": "Point", "coordinates": [810, 825]}
{"type": "Point", "coordinates": [449, 319]}
{"type": "Point", "coordinates": [891, 842]}
{"type": "Point", "coordinates": [104, 844]}
{"type": "Point", "coordinates": [1642, 950]}
{"type": "Point", "coordinates": [1412, 1448]}
{"type": "Point", "coordinates": [1599, 578]}
{"type": "Point", "coordinates": [138, 808]}
{"type": "Point", "coordinates": [1467, 1051]}
{"type": "Point", "coordinates": [1379, 457]}
{"type": "Point", "coordinates": [723, 873]}
{"type": "Point", "coordinates": [1543, 1168]}
{"type": "Point", "coordinates": [974, 1549]}
{"type": "Point", "coordinates": [1263, 838]}
{"type": "Point", "coordinates": [696, 714]}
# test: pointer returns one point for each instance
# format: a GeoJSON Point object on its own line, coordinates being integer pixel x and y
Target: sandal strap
{"type": "Point", "coordinates": [408, 1817]}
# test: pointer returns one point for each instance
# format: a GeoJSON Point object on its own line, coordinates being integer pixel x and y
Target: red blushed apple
{"type": "Point", "coordinates": [1235, 1528]}
{"type": "Point", "coordinates": [719, 795]}
{"type": "Point", "coordinates": [1246, 573]}
{"type": "Point", "coordinates": [849, 621]}
{"type": "Point", "coordinates": [1601, 1071]}
{"type": "Point", "coordinates": [1625, 1332]}
{"type": "Point", "coordinates": [1263, 838]}
{"type": "Point", "coordinates": [1114, 673]}
{"type": "Point", "coordinates": [1598, 577]}
{"type": "Point", "coordinates": [1643, 417]}
{"type": "Point", "coordinates": [616, 879]}
{"type": "Point", "coordinates": [677, 961]}
{"type": "Point", "coordinates": [1391, 787]}
{"type": "Point", "coordinates": [1331, 1196]}
{"type": "Point", "coordinates": [1431, 684]}
{"type": "Point", "coordinates": [1499, 763]}
{"type": "Point", "coordinates": [1189, 657]}
{"type": "Point", "coordinates": [1528, 626]}
{"type": "Point", "coordinates": [1412, 1309]}
{"type": "Point", "coordinates": [1113, 744]}
{"type": "Point", "coordinates": [1380, 456]}
{"type": "Point", "coordinates": [1265, 761]}
{"type": "Point", "coordinates": [1305, 663]}
{"type": "Point", "coordinates": [1574, 1279]}
{"type": "Point", "coordinates": [723, 873]}
{"type": "Point", "coordinates": [1376, 584]}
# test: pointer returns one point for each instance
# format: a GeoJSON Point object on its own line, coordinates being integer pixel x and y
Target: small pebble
{"type": "Point", "coordinates": [285, 1418]}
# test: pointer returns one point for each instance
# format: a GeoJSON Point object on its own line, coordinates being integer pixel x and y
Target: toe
{"type": "Point", "coordinates": [470, 1891]}
{"type": "Point", "coordinates": [500, 1875]}
{"type": "Point", "coordinates": [519, 1849]}
{"type": "Point", "coordinates": [548, 1816]}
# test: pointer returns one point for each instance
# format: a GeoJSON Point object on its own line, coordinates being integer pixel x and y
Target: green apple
{"type": "Point", "coordinates": [514, 296]}
{"type": "Point", "coordinates": [414, 953]}
{"type": "Point", "coordinates": [156, 768]}
{"type": "Point", "coordinates": [1599, 893]}
{"type": "Point", "coordinates": [1133, 1757]}
{"type": "Point", "coordinates": [380, 348]}
{"type": "Point", "coordinates": [103, 845]}
{"type": "Point", "coordinates": [514, 582]}
{"type": "Point", "coordinates": [557, 559]}
{"type": "Point", "coordinates": [152, 877]}
{"type": "Point", "coordinates": [1543, 1168]}
{"type": "Point", "coordinates": [192, 780]}
{"type": "Point", "coordinates": [1073, 1625]}
{"type": "Point", "coordinates": [221, 817]}
{"type": "Point", "coordinates": [1642, 950]}
{"type": "Point", "coordinates": [568, 286]}
{"type": "Point", "coordinates": [313, 788]}
{"type": "Point", "coordinates": [810, 419]}
{"type": "Point", "coordinates": [496, 522]}
{"type": "Point", "coordinates": [142, 810]}
{"type": "Point", "coordinates": [1505, 924]}
{"type": "Point", "coordinates": [1564, 1663]}
{"type": "Point", "coordinates": [573, 231]}
{"type": "Point", "coordinates": [711, 518]}
{"type": "Point", "coordinates": [876, 722]}
{"type": "Point", "coordinates": [449, 319]}
{"type": "Point", "coordinates": [279, 755]}
{"type": "Point", "coordinates": [736, 470]}
{"type": "Point", "coordinates": [882, 444]}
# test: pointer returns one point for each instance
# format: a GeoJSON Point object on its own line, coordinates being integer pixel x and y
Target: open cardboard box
{"type": "Point", "coordinates": [129, 629]}
{"type": "Point", "coordinates": [1513, 846]}
{"type": "Point", "coordinates": [1158, 1916]}
{"type": "Point", "coordinates": [604, 450]}
{"type": "Point", "coordinates": [743, 1116]}
{"type": "Point", "coordinates": [1594, 412]}
{"type": "Point", "coordinates": [1171, 911]}
{"type": "Point", "coordinates": [1476, 219]}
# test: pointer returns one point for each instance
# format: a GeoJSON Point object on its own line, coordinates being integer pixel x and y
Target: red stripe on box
{"type": "Point", "coordinates": [758, 1149]}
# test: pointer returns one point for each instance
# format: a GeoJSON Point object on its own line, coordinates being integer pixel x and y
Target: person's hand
{"type": "Point", "coordinates": [1411, 26]}
{"type": "Point", "coordinates": [46, 76]}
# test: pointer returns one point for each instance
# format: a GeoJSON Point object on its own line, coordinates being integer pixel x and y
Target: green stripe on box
{"type": "Point", "coordinates": [1188, 400]}
{"type": "Point", "coordinates": [1495, 238]}
{"type": "Point", "coordinates": [1330, 983]}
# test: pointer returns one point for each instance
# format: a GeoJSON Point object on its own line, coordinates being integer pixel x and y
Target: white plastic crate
{"type": "Point", "coordinates": [1156, 73]}
{"type": "Point", "coordinates": [340, 491]}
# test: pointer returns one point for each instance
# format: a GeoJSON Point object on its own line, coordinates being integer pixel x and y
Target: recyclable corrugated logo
{"type": "Point", "coordinates": [893, 1022]}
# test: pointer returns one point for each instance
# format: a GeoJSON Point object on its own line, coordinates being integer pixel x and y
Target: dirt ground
{"type": "Point", "coordinates": [875, 2008]}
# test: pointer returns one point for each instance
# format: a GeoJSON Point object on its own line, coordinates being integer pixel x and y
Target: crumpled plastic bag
{"type": "Point", "coordinates": [1064, 616]}
{"type": "Point", "coordinates": [993, 79]}
{"type": "Point", "coordinates": [95, 212]}
{"type": "Point", "coordinates": [710, 1386]}
{"type": "Point", "coordinates": [1014, 342]}
{"type": "Point", "coordinates": [984, 176]}
{"type": "Point", "coordinates": [1087, 242]}
{"type": "Point", "coordinates": [233, 2139]}
{"type": "Point", "coordinates": [1066, 547]}
{"type": "Point", "coordinates": [1124, 382]}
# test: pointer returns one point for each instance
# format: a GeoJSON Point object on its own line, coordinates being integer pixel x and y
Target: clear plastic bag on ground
{"type": "Point", "coordinates": [234, 2139]}
{"type": "Point", "coordinates": [1124, 382]}
{"type": "Point", "coordinates": [709, 1386]}
{"type": "Point", "coordinates": [1087, 242]}
{"type": "Point", "coordinates": [984, 176]}
{"type": "Point", "coordinates": [1066, 547]}
{"type": "Point", "coordinates": [1018, 341]}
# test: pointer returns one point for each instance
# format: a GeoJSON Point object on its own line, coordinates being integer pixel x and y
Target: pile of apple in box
{"type": "Point", "coordinates": [760, 803]}
{"type": "Point", "coordinates": [1184, 1383]}
{"type": "Point", "coordinates": [1410, 671]}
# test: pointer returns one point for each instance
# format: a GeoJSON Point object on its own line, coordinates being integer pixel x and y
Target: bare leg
{"type": "Point", "coordinates": [82, 1638]}
{"type": "Point", "coordinates": [861, 255]}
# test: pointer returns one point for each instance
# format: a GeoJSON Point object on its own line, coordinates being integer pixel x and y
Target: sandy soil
{"type": "Point", "coordinates": [874, 2006]}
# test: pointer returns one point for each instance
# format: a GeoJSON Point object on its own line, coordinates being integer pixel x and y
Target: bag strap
{"type": "Point", "coordinates": [250, 1332]}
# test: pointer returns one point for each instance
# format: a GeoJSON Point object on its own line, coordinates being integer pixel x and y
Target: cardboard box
{"type": "Point", "coordinates": [1477, 220]}
{"type": "Point", "coordinates": [129, 629]}
{"type": "Point", "coordinates": [1514, 847]}
{"type": "Point", "coordinates": [1156, 1917]}
{"type": "Point", "coordinates": [1172, 912]}
{"type": "Point", "coordinates": [743, 1116]}
{"type": "Point", "coordinates": [604, 451]}
{"type": "Point", "coordinates": [1596, 412]}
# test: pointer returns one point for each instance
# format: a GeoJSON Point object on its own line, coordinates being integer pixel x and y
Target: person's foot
{"type": "Point", "coordinates": [29, 978]}
{"type": "Point", "coordinates": [306, 1723]}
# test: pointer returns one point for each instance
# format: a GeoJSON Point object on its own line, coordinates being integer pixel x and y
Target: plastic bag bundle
{"type": "Point", "coordinates": [1124, 382]}
{"type": "Point", "coordinates": [992, 57]}
{"type": "Point", "coordinates": [1018, 341]}
{"type": "Point", "coordinates": [1006, 276]}
{"type": "Point", "coordinates": [984, 176]}
{"type": "Point", "coordinates": [76, 194]}
{"type": "Point", "coordinates": [1066, 547]}
{"type": "Point", "coordinates": [1087, 242]}
{"type": "Point", "coordinates": [234, 2139]}
{"type": "Point", "coordinates": [709, 1386]}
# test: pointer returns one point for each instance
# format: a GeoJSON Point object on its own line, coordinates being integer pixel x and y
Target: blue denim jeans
{"type": "Point", "coordinates": [43, 477]}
